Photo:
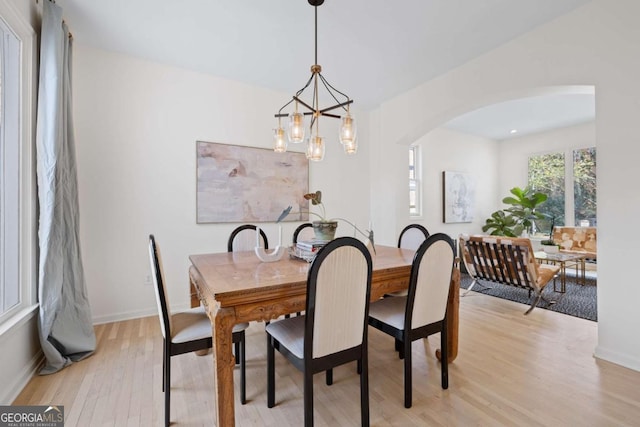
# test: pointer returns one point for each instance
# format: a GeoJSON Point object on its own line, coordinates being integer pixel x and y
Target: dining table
{"type": "Point", "coordinates": [237, 287]}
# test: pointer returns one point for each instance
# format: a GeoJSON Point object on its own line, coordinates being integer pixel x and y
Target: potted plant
{"type": "Point", "coordinates": [324, 228]}
{"type": "Point", "coordinates": [519, 217]}
{"type": "Point", "coordinates": [502, 224]}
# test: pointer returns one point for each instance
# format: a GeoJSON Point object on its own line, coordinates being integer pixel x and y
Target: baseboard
{"type": "Point", "coordinates": [617, 358]}
{"type": "Point", "coordinates": [136, 314]}
{"type": "Point", "coordinates": [128, 315]}
{"type": "Point", "coordinates": [22, 379]}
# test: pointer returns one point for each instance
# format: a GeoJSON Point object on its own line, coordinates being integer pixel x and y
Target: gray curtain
{"type": "Point", "coordinates": [66, 331]}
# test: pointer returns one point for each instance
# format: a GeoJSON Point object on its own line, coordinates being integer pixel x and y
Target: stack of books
{"type": "Point", "coordinates": [307, 249]}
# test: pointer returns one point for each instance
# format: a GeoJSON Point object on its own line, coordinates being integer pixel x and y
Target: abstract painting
{"type": "Point", "coordinates": [458, 191]}
{"type": "Point", "coordinates": [247, 184]}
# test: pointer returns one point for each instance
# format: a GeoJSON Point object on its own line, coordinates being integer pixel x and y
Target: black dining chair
{"type": "Point", "coordinates": [186, 331]}
{"type": "Point", "coordinates": [411, 237]}
{"type": "Point", "coordinates": [333, 330]}
{"type": "Point", "coordinates": [243, 238]}
{"type": "Point", "coordinates": [423, 311]}
{"type": "Point", "coordinates": [303, 232]}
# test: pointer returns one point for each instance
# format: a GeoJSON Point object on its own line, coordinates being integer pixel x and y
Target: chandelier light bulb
{"type": "Point", "coordinates": [351, 147]}
{"type": "Point", "coordinates": [315, 148]}
{"type": "Point", "coordinates": [296, 127]}
{"type": "Point", "coordinates": [348, 130]}
{"type": "Point", "coordinates": [279, 141]}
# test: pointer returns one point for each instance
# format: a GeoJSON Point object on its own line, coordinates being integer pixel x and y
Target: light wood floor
{"type": "Point", "coordinates": [512, 370]}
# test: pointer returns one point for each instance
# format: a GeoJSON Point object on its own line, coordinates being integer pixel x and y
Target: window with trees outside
{"type": "Point", "coordinates": [569, 180]}
{"type": "Point", "coordinates": [415, 208]}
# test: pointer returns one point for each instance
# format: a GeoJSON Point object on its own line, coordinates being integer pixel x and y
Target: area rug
{"type": "Point", "coordinates": [578, 301]}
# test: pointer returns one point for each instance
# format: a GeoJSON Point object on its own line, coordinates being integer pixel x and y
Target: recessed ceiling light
{"type": "Point", "coordinates": [513, 131]}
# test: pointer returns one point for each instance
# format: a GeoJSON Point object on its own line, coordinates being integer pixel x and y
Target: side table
{"type": "Point", "coordinates": [576, 261]}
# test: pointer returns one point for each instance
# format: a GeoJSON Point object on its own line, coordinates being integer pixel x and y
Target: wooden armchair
{"type": "Point", "coordinates": [509, 261]}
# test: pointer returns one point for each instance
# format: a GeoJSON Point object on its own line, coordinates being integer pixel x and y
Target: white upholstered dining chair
{"type": "Point", "coordinates": [411, 237]}
{"type": "Point", "coordinates": [186, 331]}
{"type": "Point", "coordinates": [333, 330]}
{"type": "Point", "coordinates": [303, 232]}
{"type": "Point", "coordinates": [243, 238]}
{"type": "Point", "coordinates": [423, 311]}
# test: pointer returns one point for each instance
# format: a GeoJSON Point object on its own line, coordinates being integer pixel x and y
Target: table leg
{"type": "Point", "coordinates": [563, 278]}
{"type": "Point", "coordinates": [223, 320]}
{"type": "Point", "coordinates": [453, 318]}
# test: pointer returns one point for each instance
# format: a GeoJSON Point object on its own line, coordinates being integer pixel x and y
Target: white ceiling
{"type": "Point", "coordinates": [372, 50]}
{"type": "Point", "coordinates": [520, 117]}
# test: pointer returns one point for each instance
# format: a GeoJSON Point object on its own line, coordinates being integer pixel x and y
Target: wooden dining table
{"type": "Point", "coordinates": [236, 287]}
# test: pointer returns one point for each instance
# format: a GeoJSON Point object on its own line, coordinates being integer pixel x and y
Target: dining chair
{"type": "Point", "coordinates": [411, 237]}
{"type": "Point", "coordinates": [186, 331]}
{"type": "Point", "coordinates": [333, 330]}
{"type": "Point", "coordinates": [243, 238]}
{"type": "Point", "coordinates": [303, 232]}
{"type": "Point", "coordinates": [423, 311]}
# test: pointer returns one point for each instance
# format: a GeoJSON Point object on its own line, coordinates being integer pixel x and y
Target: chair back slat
{"type": "Point", "coordinates": [338, 292]}
{"type": "Point", "coordinates": [157, 273]}
{"type": "Point", "coordinates": [430, 281]}
{"type": "Point", "coordinates": [512, 261]}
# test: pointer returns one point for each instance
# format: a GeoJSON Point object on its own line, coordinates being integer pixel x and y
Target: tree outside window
{"type": "Point", "coordinates": [571, 188]}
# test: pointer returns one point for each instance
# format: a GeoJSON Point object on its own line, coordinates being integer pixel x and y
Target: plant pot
{"type": "Point", "coordinates": [550, 249]}
{"type": "Point", "coordinates": [325, 230]}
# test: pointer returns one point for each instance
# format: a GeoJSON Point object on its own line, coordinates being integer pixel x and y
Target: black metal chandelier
{"type": "Point", "coordinates": [296, 129]}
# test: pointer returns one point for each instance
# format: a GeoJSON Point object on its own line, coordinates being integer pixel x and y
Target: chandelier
{"type": "Point", "coordinates": [296, 128]}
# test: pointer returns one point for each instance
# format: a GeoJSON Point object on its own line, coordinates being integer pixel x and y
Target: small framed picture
{"type": "Point", "coordinates": [458, 192]}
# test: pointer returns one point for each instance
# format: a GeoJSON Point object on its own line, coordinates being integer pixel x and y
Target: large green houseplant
{"type": "Point", "coordinates": [519, 217]}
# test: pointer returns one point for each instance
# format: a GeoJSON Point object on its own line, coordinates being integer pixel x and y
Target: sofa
{"type": "Point", "coordinates": [577, 240]}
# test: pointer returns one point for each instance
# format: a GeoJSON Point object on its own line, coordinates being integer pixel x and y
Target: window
{"type": "Point", "coordinates": [569, 179]}
{"type": "Point", "coordinates": [415, 205]}
{"type": "Point", "coordinates": [546, 175]}
{"type": "Point", "coordinates": [9, 169]}
{"type": "Point", "coordinates": [584, 187]}
{"type": "Point", "coordinates": [17, 193]}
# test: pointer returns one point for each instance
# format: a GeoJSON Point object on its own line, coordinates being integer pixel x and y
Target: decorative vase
{"type": "Point", "coordinates": [325, 230]}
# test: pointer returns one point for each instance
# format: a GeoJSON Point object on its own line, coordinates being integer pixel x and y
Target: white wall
{"type": "Point", "coordinates": [594, 45]}
{"type": "Point", "coordinates": [137, 123]}
{"type": "Point", "coordinates": [448, 150]}
{"type": "Point", "coordinates": [515, 152]}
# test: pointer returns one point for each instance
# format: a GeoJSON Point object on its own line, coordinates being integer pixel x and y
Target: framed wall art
{"type": "Point", "coordinates": [458, 190]}
{"type": "Point", "coordinates": [247, 184]}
